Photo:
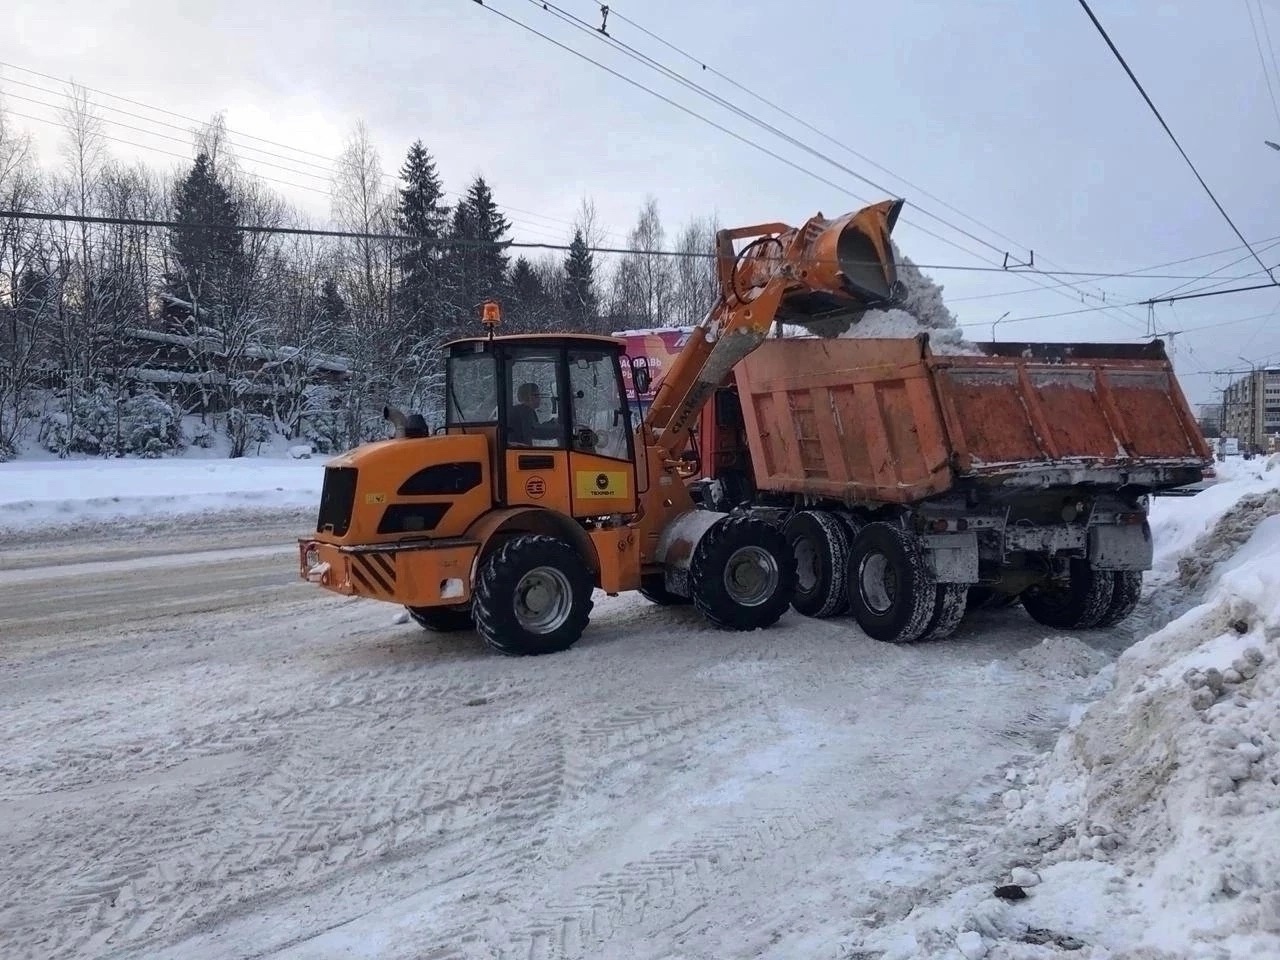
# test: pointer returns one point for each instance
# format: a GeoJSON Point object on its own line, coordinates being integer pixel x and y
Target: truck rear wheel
{"type": "Point", "coordinates": [442, 619]}
{"type": "Point", "coordinates": [949, 609]}
{"type": "Point", "coordinates": [532, 596]}
{"type": "Point", "coordinates": [892, 593]}
{"type": "Point", "coordinates": [1126, 591]}
{"type": "Point", "coordinates": [743, 574]}
{"type": "Point", "coordinates": [1078, 603]}
{"type": "Point", "coordinates": [821, 548]}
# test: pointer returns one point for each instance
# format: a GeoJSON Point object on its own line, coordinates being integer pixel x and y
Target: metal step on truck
{"type": "Point", "coordinates": [914, 486]}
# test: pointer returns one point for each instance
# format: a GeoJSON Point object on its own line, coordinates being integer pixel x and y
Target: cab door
{"type": "Point", "coordinates": [534, 438]}
{"type": "Point", "coordinates": [602, 472]}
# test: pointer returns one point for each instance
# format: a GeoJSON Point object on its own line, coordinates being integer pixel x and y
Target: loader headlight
{"type": "Point", "coordinates": [312, 556]}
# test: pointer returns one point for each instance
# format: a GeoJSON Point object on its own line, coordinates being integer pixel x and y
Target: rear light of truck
{"type": "Point", "coordinates": [943, 525]}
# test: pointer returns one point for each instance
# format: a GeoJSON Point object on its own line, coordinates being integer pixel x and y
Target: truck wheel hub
{"type": "Point", "coordinates": [877, 583]}
{"type": "Point", "coordinates": [543, 600]}
{"type": "Point", "coordinates": [751, 576]}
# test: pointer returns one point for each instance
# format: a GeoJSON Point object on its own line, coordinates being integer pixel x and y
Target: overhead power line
{"type": "Point", "coordinates": [1136, 83]}
{"type": "Point", "coordinates": [330, 163]}
{"type": "Point", "coordinates": [1125, 318]}
{"type": "Point", "coordinates": [445, 241]}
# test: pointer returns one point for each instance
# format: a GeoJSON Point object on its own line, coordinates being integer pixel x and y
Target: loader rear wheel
{"type": "Point", "coordinates": [821, 548]}
{"type": "Point", "coordinates": [892, 593]}
{"type": "Point", "coordinates": [442, 619]}
{"type": "Point", "coordinates": [743, 574]}
{"type": "Point", "coordinates": [532, 596]}
{"type": "Point", "coordinates": [1126, 591]}
{"type": "Point", "coordinates": [653, 587]}
{"type": "Point", "coordinates": [1078, 603]}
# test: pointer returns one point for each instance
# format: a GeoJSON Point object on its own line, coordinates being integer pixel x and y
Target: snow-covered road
{"type": "Point", "coordinates": [205, 758]}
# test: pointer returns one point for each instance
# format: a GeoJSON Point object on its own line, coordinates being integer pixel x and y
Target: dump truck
{"type": "Point", "coordinates": [914, 485]}
{"type": "Point", "coordinates": [542, 488]}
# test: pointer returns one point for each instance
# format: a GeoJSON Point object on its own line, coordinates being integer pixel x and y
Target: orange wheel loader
{"type": "Point", "coordinates": [540, 489]}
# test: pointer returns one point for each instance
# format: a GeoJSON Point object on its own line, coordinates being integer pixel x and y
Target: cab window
{"type": "Point", "coordinates": [535, 414]}
{"type": "Point", "coordinates": [601, 420]}
{"type": "Point", "coordinates": [472, 387]}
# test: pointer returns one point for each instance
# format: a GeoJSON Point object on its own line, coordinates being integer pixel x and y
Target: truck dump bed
{"type": "Point", "coordinates": [888, 420]}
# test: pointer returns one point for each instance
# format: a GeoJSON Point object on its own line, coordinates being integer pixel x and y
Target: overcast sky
{"type": "Point", "coordinates": [1012, 113]}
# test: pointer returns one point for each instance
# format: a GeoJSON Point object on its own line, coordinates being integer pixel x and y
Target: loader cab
{"type": "Point", "coordinates": [556, 414]}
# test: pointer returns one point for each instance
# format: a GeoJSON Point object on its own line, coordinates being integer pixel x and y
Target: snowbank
{"type": "Point", "coordinates": [1152, 829]}
{"type": "Point", "coordinates": [45, 494]}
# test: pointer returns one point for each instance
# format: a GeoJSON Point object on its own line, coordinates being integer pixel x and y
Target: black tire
{"type": "Point", "coordinates": [505, 616]}
{"type": "Point", "coordinates": [949, 609]}
{"type": "Point", "coordinates": [821, 548]}
{"type": "Point", "coordinates": [1079, 603]}
{"type": "Point", "coordinates": [653, 588]}
{"type": "Point", "coordinates": [1126, 591]}
{"type": "Point", "coordinates": [442, 619]}
{"type": "Point", "coordinates": [742, 574]}
{"type": "Point", "coordinates": [892, 592]}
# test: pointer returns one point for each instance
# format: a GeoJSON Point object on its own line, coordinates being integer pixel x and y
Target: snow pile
{"type": "Point", "coordinates": [1152, 829]}
{"type": "Point", "coordinates": [70, 493]}
{"type": "Point", "coordinates": [922, 311]}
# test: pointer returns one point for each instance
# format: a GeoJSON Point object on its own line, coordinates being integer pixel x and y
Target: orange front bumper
{"type": "Point", "coordinates": [428, 573]}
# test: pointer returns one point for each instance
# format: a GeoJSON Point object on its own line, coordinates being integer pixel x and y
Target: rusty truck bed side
{"type": "Point", "coordinates": [888, 420]}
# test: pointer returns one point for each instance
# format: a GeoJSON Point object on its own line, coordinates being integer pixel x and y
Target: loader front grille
{"type": "Point", "coordinates": [337, 498]}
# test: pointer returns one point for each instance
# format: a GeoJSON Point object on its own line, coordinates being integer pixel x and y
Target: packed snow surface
{"type": "Point", "coordinates": [1151, 830]}
{"type": "Point", "coordinates": [45, 494]}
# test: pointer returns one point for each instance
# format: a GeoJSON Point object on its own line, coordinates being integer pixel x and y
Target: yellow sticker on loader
{"type": "Point", "coordinates": [375, 498]}
{"type": "Point", "coordinates": [601, 484]}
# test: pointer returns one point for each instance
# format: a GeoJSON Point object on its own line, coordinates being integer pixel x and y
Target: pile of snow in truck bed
{"type": "Point", "coordinates": [1152, 829]}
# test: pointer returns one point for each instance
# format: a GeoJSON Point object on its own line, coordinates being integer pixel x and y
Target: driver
{"type": "Point", "coordinates": [523, 425]}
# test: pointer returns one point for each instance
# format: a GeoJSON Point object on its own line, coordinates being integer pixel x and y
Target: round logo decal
{"type": "Point", "coordinates": [535, 488]}
{"type": "Point", "coordinates": [602, 481]}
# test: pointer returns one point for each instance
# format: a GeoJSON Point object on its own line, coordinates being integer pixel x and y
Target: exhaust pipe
{"type": "Point", "coordinates": [406, 426]}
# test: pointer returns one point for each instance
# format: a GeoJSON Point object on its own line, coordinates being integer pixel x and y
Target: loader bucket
{"type": "Point", "coordinates": [848, 268]}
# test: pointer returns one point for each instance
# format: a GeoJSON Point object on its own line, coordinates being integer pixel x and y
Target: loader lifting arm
{"type": "Point", "coordinates": [823, 276]}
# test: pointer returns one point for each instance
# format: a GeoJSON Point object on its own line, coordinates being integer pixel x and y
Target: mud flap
{"type": "Point", "coordinates": [1121, 547]}
{"type": "Point", "coordinates": [953, 557]}
{"type": "Point", "coordinates": [676, 546]}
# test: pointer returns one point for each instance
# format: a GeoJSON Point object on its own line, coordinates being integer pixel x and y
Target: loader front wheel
{"type": "Point", "coordinates": [1080, 602]}
{"type": "Point", "coordinates": [532, 596]}
{"type": "Point", "coordinates": [821, 548]}
{"type": "Point", "coordinates": [743, 574]}
{"type": "Point", "coordinates": [892, 592]}
{"type": "Point", "coordinates": [442, 619]}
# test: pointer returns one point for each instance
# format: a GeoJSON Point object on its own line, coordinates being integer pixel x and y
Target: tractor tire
{"type": "Point", "coordinates": [1078, 604]}
{"type": "Point", "coordinates": [892, 592]}
{"type": "Point", "coordinates": [949, 609]}
{"type": "Point", "coordinates": [821, 548]}
{"type": "Point", "coordinates": [742, 574]}
{"type": "Point", "coordinates": [1126, 591]}
{"type": "Point", "coordinates": [532, 596]}
{"type": "Point", "coordinates": [442, 619]}
{"type": "Point", "coordinates": [653, 587]}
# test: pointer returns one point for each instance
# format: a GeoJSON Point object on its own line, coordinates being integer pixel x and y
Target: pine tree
{"type": "Point", "coordinates": [205, 263]}
{"type": "Point", "coordinates": [529, 298]}
{"type": "Point", "coordinates": [477, 262]}
{"type": "Point", "coordinates": [421, 214]}
{"type": "Point", "coordinates": [580, 288]}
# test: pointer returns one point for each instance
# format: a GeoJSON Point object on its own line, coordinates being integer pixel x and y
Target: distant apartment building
{"type": "Point", "coordinates": [1251, 407]}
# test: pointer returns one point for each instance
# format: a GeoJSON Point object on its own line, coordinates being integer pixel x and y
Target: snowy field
{"type": "Point", "coordinates": [43, 494]}
{"type": "Point", "coordinates": [205, 758]}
